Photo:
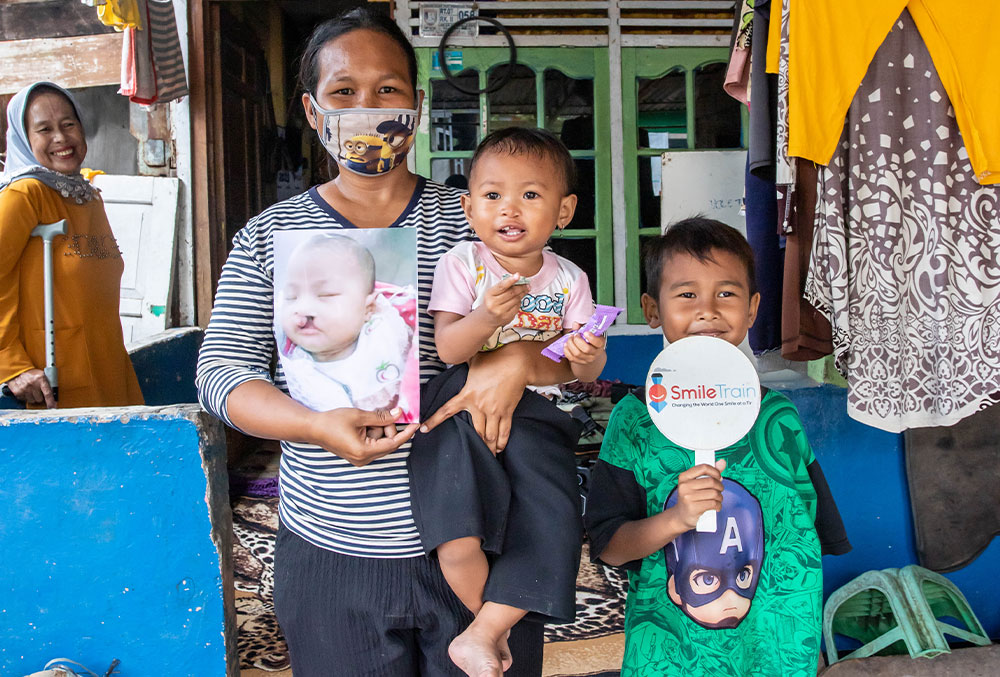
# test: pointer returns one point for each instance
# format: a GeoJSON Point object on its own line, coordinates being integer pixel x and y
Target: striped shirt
{"type": "Point", "coordinates": [365, 511]}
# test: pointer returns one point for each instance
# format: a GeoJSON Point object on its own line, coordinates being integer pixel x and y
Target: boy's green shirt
{"type": "Point", "coordinates": [780, 634]}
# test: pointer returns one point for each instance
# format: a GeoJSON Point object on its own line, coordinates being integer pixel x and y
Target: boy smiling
{"type": "Point", "coordinates": [744, 602]}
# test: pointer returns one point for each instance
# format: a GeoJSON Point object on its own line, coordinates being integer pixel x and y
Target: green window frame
{"type": "Point", "coordinates": [587, 63]}
{"type": "Point", "coordinates": [577, 63]}
{"type": "Point", "coordinates": [650, 63]}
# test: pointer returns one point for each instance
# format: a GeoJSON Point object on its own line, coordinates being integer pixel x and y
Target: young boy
{"type": "Point", "coordinates": [522, 507]}
{"type": "Point", "coordinates": [745, 600]}
{"type": "Point", "coordinates": [341, 341]}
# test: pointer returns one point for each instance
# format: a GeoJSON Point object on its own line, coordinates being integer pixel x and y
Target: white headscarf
{"type": "Point", "coordinates": [21, 162]}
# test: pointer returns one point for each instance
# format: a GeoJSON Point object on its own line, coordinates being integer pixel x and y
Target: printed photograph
{"type": "Point", "coordinates": [345, 318]}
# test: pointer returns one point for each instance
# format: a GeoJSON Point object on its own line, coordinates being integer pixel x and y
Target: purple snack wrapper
{"type": "Point", "coordinates": [598, 323]}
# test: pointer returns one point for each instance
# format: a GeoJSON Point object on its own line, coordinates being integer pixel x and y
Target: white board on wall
{"type": "Point", "coordinates": [707, 182]}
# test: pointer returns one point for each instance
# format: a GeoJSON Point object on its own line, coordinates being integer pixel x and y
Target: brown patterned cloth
{"type": "Point", "coordinates": [805, 333]}
{"type": "Point", "coordinates": [904, 259]}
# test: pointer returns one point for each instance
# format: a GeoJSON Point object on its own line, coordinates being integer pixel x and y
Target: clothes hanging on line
{"type": "Point", "coordinates": [834, 44]}
{"type": "Point", "coordinates": [737, 80]}
{"type": "Point", "coordinates": [152, 63]}
{"type": "Point", "coordinates": [956, 505]}
{"type": "Point", "coordinates": [904, 258]}
{"type": "Point", "coordinates": [120, 14]}
{"type": "Point", "coordinates": [805, 332]}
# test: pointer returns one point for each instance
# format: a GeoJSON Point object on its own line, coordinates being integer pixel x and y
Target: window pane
{"type": "Point", "coordinates": [583, 253]}
{"type": "Point", "coordinates": [643, 239]}
{"type": "Point", "coordinates": [649, 191]}
{"type": "Point", "coordinates": [569, 109]}
{"type": "Point", "coordinates": [585, 194]}
{"type": "Point", "coordinates": [717, 115]}
{"type": "Point", "coordinates": [662, 110]}
{"type": "Point", "coordinates": [515, 104]}
{"type": "Point", "coordinates": [452, 172]}
{"type": "Point", "coordinates": [454, 114]}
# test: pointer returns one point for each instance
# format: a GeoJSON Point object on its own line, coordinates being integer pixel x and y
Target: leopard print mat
{"type": "Point", "coordinates": [600, 595]}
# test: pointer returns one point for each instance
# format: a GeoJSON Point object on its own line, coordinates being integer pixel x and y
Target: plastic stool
{"type": "Point", "coordinates": [873, 609]}
{"type": "Point", "coordinates": [892, 611]}
{"type": "Point", "coordinates": [943, 599]}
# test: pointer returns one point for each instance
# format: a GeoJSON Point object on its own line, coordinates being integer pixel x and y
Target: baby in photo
{"type": "Point", "coordinates": [342, 337]}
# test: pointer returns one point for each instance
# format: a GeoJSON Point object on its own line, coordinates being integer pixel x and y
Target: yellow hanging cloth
{"type": "Point", "coordinates": [120, 14]}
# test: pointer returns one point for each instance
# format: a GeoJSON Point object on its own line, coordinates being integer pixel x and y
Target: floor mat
{"type": "Point", "coordinates": [591, 646]}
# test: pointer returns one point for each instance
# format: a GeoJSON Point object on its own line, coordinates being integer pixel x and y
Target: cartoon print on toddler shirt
{"type": "Point", "coordinates": [713, 576]}
{"type": "Point", "coordinates": [539, 319]}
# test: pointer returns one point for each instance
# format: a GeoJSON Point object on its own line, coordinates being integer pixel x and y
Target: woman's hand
{"type": "Point", "coordinates": [32, 387]}
{"type": "Point", "coordinates": [359, 437]}
{"type": "Point", "coordinates": [492, 390]}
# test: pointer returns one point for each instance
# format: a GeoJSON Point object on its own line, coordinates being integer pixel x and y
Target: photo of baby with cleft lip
{"type": "Point", "coordinates": [345, 319]}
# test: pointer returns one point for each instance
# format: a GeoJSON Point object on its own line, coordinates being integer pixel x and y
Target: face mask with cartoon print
{"type": "Point", "coordinates": [367, 141]}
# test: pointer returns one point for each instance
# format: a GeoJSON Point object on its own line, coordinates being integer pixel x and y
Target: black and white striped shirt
{"type": "Point", "coordinates": [364, 511]}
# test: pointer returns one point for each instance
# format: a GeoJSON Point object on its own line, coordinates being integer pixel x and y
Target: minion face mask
{"type": "Point", "coordinates": [367, 141]}
{"type": "Point", "coordinates": [713, 576]}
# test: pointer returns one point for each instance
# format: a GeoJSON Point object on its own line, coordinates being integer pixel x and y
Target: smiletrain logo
{"type": "Point", "coordinates": [657, 392]}
{"type": "Point", "coordinates": [661, 396]}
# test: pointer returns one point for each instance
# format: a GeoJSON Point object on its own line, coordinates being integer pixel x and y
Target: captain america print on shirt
{"type": "Point", "coordinates": [713, 576]}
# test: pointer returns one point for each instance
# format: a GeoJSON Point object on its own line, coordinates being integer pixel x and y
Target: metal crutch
{"type": "Point", "coordinates": [47, 232]}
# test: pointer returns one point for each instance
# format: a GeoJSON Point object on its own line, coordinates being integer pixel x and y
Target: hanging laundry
{"type": "Point", "coordinates": [904, 257]}
{"type": "Point", "coordinates": [120, 14]}
{"type": "Point", "coordinates": [168, 62]}
{"type": "Point", "coordinates": [835, 41]}
{"type": "Point", "coordinates": [805, 332]}
{"type": "Point", "coordinates": [761, 217]}
{"type": "Point", "coordinates": [152, 63]}
{"type": "Point", "coordinates": [738, 73]}
{"type": "Point", "coordinates": [954, 493]}
{"type": "Point", "coordinates": [138, 76]}
{"type": "Point", "coordinates": [763, 98]}
{"type": "Point", "coordinates": [777, 62]}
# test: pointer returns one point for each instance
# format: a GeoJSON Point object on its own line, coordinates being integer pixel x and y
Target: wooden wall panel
{"type": "Point", "coordinates": [84, 61]}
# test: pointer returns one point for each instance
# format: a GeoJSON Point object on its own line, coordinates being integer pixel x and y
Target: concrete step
{"type": "Point", "coordinates": [976, 661]}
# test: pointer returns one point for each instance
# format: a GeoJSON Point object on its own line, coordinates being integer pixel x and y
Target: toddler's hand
{"type": "Point", "coordinates": [698, 489]}
{"type": "Point", "coordinates": [503, 300]}
{"type": "Point", "coordinates": [584, 351]}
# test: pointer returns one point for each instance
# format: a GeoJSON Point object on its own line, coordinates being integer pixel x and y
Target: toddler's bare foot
{"type": "Point", "coordinates": [478, 655]}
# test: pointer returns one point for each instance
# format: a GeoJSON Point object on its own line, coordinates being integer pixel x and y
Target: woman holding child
{"type": "Point", "coordinates": [353, 588]}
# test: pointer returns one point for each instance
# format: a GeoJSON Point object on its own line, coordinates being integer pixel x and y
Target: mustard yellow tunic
{"type": "Point", "coordinates": [831, 45]}
{"type": "Point", "coordinates": [93, 366]}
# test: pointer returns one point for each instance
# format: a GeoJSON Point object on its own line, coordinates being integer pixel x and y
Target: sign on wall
{"type": "Point", "coordinates": [435, 19]}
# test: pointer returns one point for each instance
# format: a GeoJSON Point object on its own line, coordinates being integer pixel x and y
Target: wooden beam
{"type": "Point", "coordinates": [201, 47]}
{"type": "Point", "coordinates": [85, 61]}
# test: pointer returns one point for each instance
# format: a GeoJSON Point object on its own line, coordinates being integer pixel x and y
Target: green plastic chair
{"type": "Point", "coordinates": [942, 599]}
{"type": "Point", "coordinates": [895, 611]}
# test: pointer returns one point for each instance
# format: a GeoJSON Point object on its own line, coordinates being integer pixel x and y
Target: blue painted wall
{"type": "Point", "coordinates": [106, 542]}
{"type": "Point", "coordinates": [866, 471]}
{"type": "Point", "coordinates": [629, 357]}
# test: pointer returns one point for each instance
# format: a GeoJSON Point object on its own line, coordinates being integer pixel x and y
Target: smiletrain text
{"type": "Point", "coordinates": [712, 392]}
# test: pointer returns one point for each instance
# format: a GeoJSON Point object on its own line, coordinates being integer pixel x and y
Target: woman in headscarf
{"type": "Point", "coordinates": [41, 184]}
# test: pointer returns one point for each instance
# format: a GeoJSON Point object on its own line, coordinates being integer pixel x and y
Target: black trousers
{"type": "Point", "coordinates": [345, 616]}
{"type": "Point", "coordinates": [524, 504]}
